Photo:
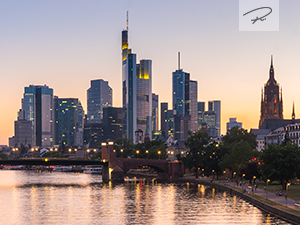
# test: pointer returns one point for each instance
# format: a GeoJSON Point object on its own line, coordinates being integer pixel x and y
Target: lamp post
{"type": "Point", "coordinates": [159, 152]}
{"type": "Point", "coordinates": [286, 193]}
{"type": "Point", "coordinates": [147, 151]}
{"type": "Point", "coordinates": [137, 153]}
{"type": "Point", "coordinates": [267, 188]}
{"type": "Point", "coordinates": [254, 177]}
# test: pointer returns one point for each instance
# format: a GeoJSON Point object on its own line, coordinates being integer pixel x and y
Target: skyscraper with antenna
{"type": "Point", "coordinates": [137, 93]}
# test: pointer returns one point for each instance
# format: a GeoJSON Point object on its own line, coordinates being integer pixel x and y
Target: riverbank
{"type": "Point", "coordinates": [291, 215]}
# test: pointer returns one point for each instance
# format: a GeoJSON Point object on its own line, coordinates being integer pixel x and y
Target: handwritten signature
{"type": "Point", "coordinates": [259, 18]}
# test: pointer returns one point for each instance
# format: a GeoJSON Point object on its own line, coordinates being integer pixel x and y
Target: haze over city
{"type": "Point", "coordinates": [66, 44]}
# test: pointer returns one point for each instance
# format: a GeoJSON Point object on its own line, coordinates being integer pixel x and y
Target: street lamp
{"type": "Point", "coordinates": [286, 193]}
{"type": "Point", "coordinates": [147, 151]}
{"type": "Point", "coordinates": [159, 152]}
{"type": "Point", "coordinates": [267, 187]}
{"type": "Point", "coordinates": [137, 153]}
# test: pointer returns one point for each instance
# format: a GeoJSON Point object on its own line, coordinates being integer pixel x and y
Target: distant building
{"type": "Point", "coordinates": [154, 113]}
{"type": "Point", "coordinates": [181, 127]}
{"type": "Point", "coordinates": [112, 123]}
{"type": "Point", "coordinates": [37, 105]}
{"type": "Point", "coordinates": [275, 137]}
{"type": "Point", "coordinates": [193, 105]}
{"type": "Point", "coordinates": [23, 133]}
{"type": "Point", "coordinates": [163, 119]}
{"type": "Point", "coordinates": [99, 96]}
{"type": "Point", "coordinates": [68, 117]}
{"type": "Point", "coordinates": [93, 133]}
{"type": "Point", "coordinates": [210, 119]}
{"type": "Point", "coordinates": [201, 110]}
{"type": "Point", "coordinates": [271, 99]}
{"type": "Point", "coordinates": [216, 107]}
{"type": "Point", "coordinates": [233, 123]}
{"type": "Point", "coordinates": [260, 138]}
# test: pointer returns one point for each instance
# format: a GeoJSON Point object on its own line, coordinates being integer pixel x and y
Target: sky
{"type": "Point", "coordinates": [66, 44]}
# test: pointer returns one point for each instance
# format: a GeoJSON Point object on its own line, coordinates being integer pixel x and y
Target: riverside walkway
{"type": "Point", "coordinates": [290, 203]}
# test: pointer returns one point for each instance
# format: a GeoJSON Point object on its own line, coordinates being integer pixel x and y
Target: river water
{"type": "Point", "coordinates": [28, 197]}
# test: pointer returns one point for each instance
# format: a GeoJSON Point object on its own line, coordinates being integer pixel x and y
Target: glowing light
{"type": "Point", "coordinates": [110, 143]}
{"type": "Point", "coordinates": [147, 151]}
{"type": "Point", "coordinates": [46, 160]}
{"type": "Point", "coordinates": [95, 150]}
{"type": "Point", "coordinates": [137, 151]}
{"type": "Point", "coordinates": [70, 150]}
{"type": "Point", "coordinates": [121, 150]}
{"type": "Point", "coordinates": [103, 144]}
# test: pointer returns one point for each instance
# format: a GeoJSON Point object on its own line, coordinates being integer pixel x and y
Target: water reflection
{"type": "Point", "coordinates": [65, 198]}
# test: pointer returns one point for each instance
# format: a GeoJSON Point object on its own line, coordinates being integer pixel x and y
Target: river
{"type": "Point", "coordinates": [28, 197]}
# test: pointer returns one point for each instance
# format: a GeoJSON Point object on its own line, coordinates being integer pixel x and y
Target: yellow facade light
{"type": "Point", "coordinates": [103, 144]}
{"type": "Point", "coordinates": [110, 143]}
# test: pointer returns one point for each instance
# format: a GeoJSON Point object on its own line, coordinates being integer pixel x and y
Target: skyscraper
{"type": "Point", "coordinates": [154, 112]}
{"type": "Point", "coordinates": [210, 121]}
{"type": "Point", "coordinates": [193, 106]}
{"type": "Point", "coordinates": [216, 107]}
{"type": "Point", "coordinates": [37, 105]}
{"type": "Point", "coordinates": [99, 96]}
{"type": "Point", "coordinates": [112, 123]}
{"type": "Point", "coordinates": [201, 110]}
{"type": "Point", "coordinates": [271, 99]}
{"type": "Point", "coordinates": [137, 92]}
{"type": "Point", "coordinates": [68, 117]}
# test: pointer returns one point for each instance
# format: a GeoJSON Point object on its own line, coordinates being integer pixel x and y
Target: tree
{"type": "Point", "coordinates": [280, 163]}
{"type": "Point", "coordinates": [196, 143]}
{"type": "Point", "coordinates": [238, 157]}
{"type": "Point", "coordinates": [124, 147]}
{"type": "Point", "coordinates": [236, 134]}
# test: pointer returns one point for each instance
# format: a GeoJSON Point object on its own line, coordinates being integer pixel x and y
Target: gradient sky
{"type": "Point", "coordinates": [65, 44]}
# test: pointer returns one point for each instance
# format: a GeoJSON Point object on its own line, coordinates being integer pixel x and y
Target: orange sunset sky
{"type": "Point", "coordinates": [65, 44]}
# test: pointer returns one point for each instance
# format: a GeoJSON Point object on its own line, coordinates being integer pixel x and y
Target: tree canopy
{"type": "Point", "coordinates": [280, 163]}
{"type": "Point", "coordinates": [236, 134]}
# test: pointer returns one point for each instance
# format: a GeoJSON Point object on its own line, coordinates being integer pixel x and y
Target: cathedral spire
{"type": "Point", "coordinates": [293, 114]}
{"type": "Point", "coordinates": [271, 78]}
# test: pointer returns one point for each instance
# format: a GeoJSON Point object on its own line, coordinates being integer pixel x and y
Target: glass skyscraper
{"type": "Point", "coordinates": [181, 89]}
{"type": "Point", "coordinates": [193, 105]}
{"type": "Point", "coordinates": [201, 110]}
{"type": "Point", "coordinates": [68, 120]}
{"type": "Point", "coordinates": [37, 105]}
{"type": "Point", "coordinates": [137, 93]}
{"type": "Point", "coordinates": [154, 112]}
{"type": "Point", "coordinates": [216, 107]}
{"type": "Point", "coordinates": [99, 96]}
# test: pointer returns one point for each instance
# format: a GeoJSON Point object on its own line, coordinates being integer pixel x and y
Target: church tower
{"type": "Point", "coordinates": [271, 99]}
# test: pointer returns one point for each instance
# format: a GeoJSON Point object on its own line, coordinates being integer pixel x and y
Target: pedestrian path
{"type": "Point", "coordinates": [290, 203]}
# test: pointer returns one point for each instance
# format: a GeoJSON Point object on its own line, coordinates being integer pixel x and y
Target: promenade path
{"type": "Point", "coordinates": [290, 203]}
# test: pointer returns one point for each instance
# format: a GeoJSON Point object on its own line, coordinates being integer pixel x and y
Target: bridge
{"type": "Point", "coordinates": [51, 162]}
{"type": "Point", "coordinates": [118, 167]}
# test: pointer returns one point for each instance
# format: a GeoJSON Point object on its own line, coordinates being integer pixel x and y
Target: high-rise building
{"type": "Point", "coordinates": [37, 106]}
{"type": "Point", "coordinates": [99, 96]}
{"type": "Point", "coordinates": [210, 121]}
{"type": "Point", "coordinates": [201, 110]}
{"type": "Point", "coordinates": [154, 112]}
{"type": "Point", "coordinates": [68, 117]}
{"type": "Point", "coordinates": [137, 93]}
{"type": "Point", "coordinates": [271, 99]}
{"type": "Point", "coordinates": [23, 133]}
{"type": "Point", "coordinates": [112, 123]}
{"type": "Point", "coordinates": [93, 133]}
{"type": "Point", "coordinates": [233, 123]}
{"type": "Point", "coordinates": [193, 106]}
{"type": "Point", "coordinates": [163, 119]}
{"type": "Point", "coordinates": [216, 107]}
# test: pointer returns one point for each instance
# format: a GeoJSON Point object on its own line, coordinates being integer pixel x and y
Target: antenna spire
{"type": "Point", "coordinates": [127, 21]}
{"type": "Point", "coordinates": [178, 60]}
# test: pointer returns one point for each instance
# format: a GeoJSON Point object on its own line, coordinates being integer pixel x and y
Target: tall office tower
{"type": "Point", "coordinates": [154, 112]}
{"type": "Point", "coordinates": [99, 96]}
{"type": "Point", "coordinates": [23, 133]}
{"type": "Point", "coordinates": [137, 93]}
{"type": "Point", "coordinates": [271, 99]}
{"type": "Point", "coordinates": [201, 110]}
{"type": "Point", "coordinates": [210, 121]}
{"type": "Point", "coordinates": [216, 107]}
{"type": "Point", "coordinates": [68, 117]}
{"type": "Point", "coordinates": [37, 105]}
{"type": "Point", "coordinates": [163, 119]}
{"type": "Point", "coordinates": [112, 123]}
{"type": "Point", "coordinates": [181, 101]}
{"type": "Point", "coordinates": [193, 106]}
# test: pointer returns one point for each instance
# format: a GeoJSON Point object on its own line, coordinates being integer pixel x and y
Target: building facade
{"type": "Point", "coordinates": [155, 117]}
{"type": "Point", "coordinates": [112, 123]}
{"type": "Point", "coordinates": [93, 133]}
{"type": "Point", "coordinates": [201, 110]}
{"type": "Point", "coordinates": [209, 123]}
{"type": "Point", "coordinates": [68, 117]}
{"type": "Point", "coordinates": [233, 123]}
{"type": "Point", "coordinates": [271, 99]}
{"type": "Point", "coordinates": [193, 105]}
{"type": "Point", "coordinates": [37, 105]}
{"type": "Point", "coordinates": [216, 107]}
{"type": "Point", "coordinates": [99, 96]}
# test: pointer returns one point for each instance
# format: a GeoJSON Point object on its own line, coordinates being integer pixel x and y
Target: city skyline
{"type": "Point", "coordinates": [66, 52]}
